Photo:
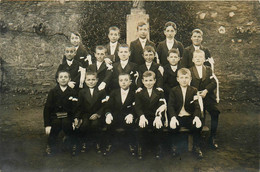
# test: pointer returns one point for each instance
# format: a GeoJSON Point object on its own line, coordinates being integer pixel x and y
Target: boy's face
{"type": "Point", "coordinates": [142, 31]}
{"type": "Point", "coordinates": [70, 52]}
{"type": "Point", "coordinates": [91, 81]}
{"type": "Point", "coordinates": [74, 39]}
{"type": "Point", "coordinates": [123, 53]}
{"type": "Point", "coordinates": [148, 56]}
{"type": "Point", "coordinates": [198, 59]}
{"type": "Point", "coordinates": [196, 38]}
{"type": "Point", "coordinates": [124, 81]}
{"type": "Point", "coordinates": [100, 55]}
{"type": "Point", "coordinates": [113, 35]}
{"type": "Point", "coordinates": [170, 32]}
{"type": "Point", "coordinates": [184, 80]}
{"type": "Point", "coordinates": [149, 82]}
{"type": "Point", "coordinates": [173, 59]}
{"type": "Point", "coordinates": [63, 78]}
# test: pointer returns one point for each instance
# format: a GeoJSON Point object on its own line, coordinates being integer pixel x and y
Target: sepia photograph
{"type": "Point", "coordinates": [129, 86]}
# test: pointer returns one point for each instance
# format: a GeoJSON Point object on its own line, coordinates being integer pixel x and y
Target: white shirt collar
{"type": "Point", "coordinates": [149, 91]}
{"type": "Point", "coordinates": [199, 69]}
{"type": "Point", "coordinates": [99, 64]}
{"type": "Point", "coordinates": [174, 68]}
{"type": "Point", "coordinates": [63, 88]}
{"type": "Point", "coordinates": [124, 91]}
{"type": "Point", "coordinates": [113, 44]}
{"type": "Point", "coordinates": [91, 91]}
{"type": "Point", "coordinates": [143, 42]}
{"type": "Point", "coordinates": [77, 47]}
{"type": "Point", "coordinates": [69, 62]}
{"type": "Point", "coordinates": [123, 63]}
{"type": "Point", "coordinates": [196, 47]}
{"type": "Point", "coordinates": [148, 65]}
{"type": "Point", "coordinates": [170, 41]}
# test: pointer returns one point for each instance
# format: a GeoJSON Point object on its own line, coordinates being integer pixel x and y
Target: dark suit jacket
{"type": "Point", "coordinates": [154, 67]}
{"type": "Point", "coordinates": [170, 78]}
{"type": "Point", "coordinates": [137, 51]}
{"type": "Point", "coordinates": [206, 82]}
{"type": "Point", "coordinates": [73, 70]}
{"type": "Point", "coordinates": [117, 108]}
{"type": "Point", "coordinates": [162, 51]}
{"type": "Point", "coordinates": [88, 105]}
{"type": "Point", "coordinates": [59, 101]}
{"type": "Point", "coordinates": [145, 105]}
{"type": "Point", "coordinates": [114, 57]}
{"type": "Point", "coordinates": [103, 74]}
{"type": "Point", "coordinates": [176, 102]}
{"type": "Point", "coordinates": [130, 68]}
{"type": "Point", "coordinates": [186, 61]}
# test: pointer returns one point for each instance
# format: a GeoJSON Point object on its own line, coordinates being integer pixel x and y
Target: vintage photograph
{"type": "Point", "coordinates": [129, 86]}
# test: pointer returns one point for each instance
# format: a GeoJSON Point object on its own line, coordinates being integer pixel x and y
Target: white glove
{"type": "Point", "coordinates": [47, 130]}
{"type": "Point", "coordinates": [129, 118]}
{"type": "Point", "coordinates": [109, 118]}
{"type": "Point", "coordinates": [174, 122]}
{"type": "Point", "coordinates": [138, 90]}
{"type": "Point", "coordinates": [108, 61]}
{"type": "Point", "coordinates": [101, 86]}
{"type": "Point", "coordinates": [160, 110]}
{"type": "Point", "coordinates": [197, 121]}
{"type": "Point", "coordinates": [71, 84]}
{"type": "Point", "coordinates": [157, 122]}
{"type": "Point", "coordinates": [89, 59]}
{"type": "Point", "coordinates": [143, 121]}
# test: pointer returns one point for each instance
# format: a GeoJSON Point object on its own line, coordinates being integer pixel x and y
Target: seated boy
{"type": "Point", "coordinates": [203, 80]}
{"type": "Point", "coordinates": [104, 71]}
{"type": "Point", "coordinates": [170, 30]}
{"type": "Point", "coordinates": [59, 110]}
{"type": "Point", "coordinates": [90, 111]}
{"type": "Point", "coordinates": [72, 66]}
{"type": "Point", "coordinates": [196, 38]}
{"type": "Point", "coordinates": [149, 65]}
{"type": "Point", "coordinates": [112, 46]}
{"type": "Point", "coordinates": [184, 110]}
{"type": "Point", "coordinates": [170, 71]}
{"type": "Point", "coordinates": [124, 66]}
{"type": "Point", "coordinates": [120, 113]}
{"type": "Point", "coordinates": [137, 46]}
{"type": "Point", "coordinates": [149, 105]}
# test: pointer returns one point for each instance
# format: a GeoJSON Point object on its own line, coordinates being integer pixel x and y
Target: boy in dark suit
{"type": "Point", "coordinates": [196, 38]}
{"type": "Point", "coordinates": [90, 111]}
{"type": "Point", "coordinates": [149, 105]}
{"type": "Point", "coordinates": [170, 71]}
{"type": "Point", "coordinates": [112, 46]}
{"type": "Point", "coordinates": [124, 66]}
{"type": "Point", "coordinates": [170, 30]}
{"type": "Point", "coordinates": [120, 113]}
{"type": "Point", "coordinates": [148, 55]}
{"type": "Point", "coordinates": [137, 46]}
{"type": "Point", "coordinates": [104, 71]}
{"type": "Point", "coordinates": [184, 110]}
{"type": "Point", "coordinates": [72, 66]}
{"type": "Point", "coordinates": [204, 81]}
{"type": "Point", "coordinates": [59, 110]}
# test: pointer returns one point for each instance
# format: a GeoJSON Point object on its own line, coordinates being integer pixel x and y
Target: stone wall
{"type": "Point", "coordinates": [33, 35]}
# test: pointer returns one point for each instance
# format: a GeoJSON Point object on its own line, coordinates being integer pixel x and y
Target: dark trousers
{"type": "Point", "coordinates": [214, 113]}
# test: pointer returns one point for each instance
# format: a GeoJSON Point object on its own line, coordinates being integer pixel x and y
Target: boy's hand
{"type": "Point", "coordinates": [47, 130]}
{"type": "Point", "coordinates": [94, 117]}
{"type": "Point", "coordinates": [138, 90]}
{"type": "Point", "coordinates": [197, 121]}
{"type": "Point", "coordinates": [174, 122]}
{"type": "Point", "coordinates": [157, 122]}
{"type": "Point", "coordinates": [71, 84]}
{"type": "Point", "coordinates": [143, 121]}
{"type": "Point", "coordinates": [109, 118]}
{"type": "Point", "coordinates": [108, 61]}
{"type": "Point", "coordinates": [204, 93]}
{"type": "Point", "coordinates": [102, 86]}
{"type": "Point", "coordinates": [129, 118]}
{"type": "Point", "coordinates": [81, 85]}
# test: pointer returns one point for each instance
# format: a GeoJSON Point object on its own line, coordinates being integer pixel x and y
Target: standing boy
{"type": "Point", "coordinates": [170, 30]}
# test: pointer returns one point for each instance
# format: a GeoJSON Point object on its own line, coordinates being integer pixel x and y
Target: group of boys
{"type": "Point", "coordinates": [140, 89]}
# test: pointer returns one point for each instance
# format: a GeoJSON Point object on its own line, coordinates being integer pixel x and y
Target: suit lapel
{"type": "Point", "coordinates": [203, 72]}
{"type": "Point", "coordinates": [153, 96]}
{"type": "Point", "coordinates": [194, 69]}
{"type": "Point", "coordinates": [179, 92]}
{"type": "Point", "coordinates": [101, 68]}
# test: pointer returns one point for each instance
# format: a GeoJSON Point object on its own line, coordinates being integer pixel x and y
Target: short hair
{"type": "Point", "coordinates": [197, 31]}
{"type": "Point", "coordinates": [174, 50]}
{"type": "Point", "coordinates": [183, 71]}
{"type": "Point", "coordinates": [69, 45]}
{"type": "Point", "coordinates": [170, 23]}
{"type": "Point", "coordinates": [123, 73]}
{"type": "Point", "coordinates": [90, 72]}
{"type": "Point", "coordinates": [77, 34]}
{"type": "Point", "coordinates": [148, 74]}
{"type": "Point", "coordinates": [124, 46]}
{"type": "Point", "coordinates": [198, 52]}
{"type": "Point", "coordinates": [114, 28]}
{"type": "Point", "coordinates": [141, 24]}
{"type": "Point", "coordinates": [62, 71]}
{"type": "Point", "coordinates": [149, 48]}
{"type": "Point", "coordinates": [101, 47]}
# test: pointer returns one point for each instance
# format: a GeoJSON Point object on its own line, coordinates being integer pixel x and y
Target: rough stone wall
{"type": "Point", "coordinates": [31, 52]}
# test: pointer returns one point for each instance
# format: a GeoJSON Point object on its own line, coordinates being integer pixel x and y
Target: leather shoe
{"type": "Point", "coordinates": [98, 148]}
{"type": "Point", "coordinates": [48, 151]}
{"type": "Point", "coordinates": [213, 143]}
{"type": "Point", "coordinates": [83, 148]}
{"type": "Point", "coordinates": [107, 150]}
{"type": "Point", "coordinates": [158, 154]}
{"type": "Point", "coordinates": [174, 151]}
{"type": "Point", "coordinates": [132, 150]}
{"type": "Point", "coordinates": [139, 152]}
{"type": "Point", "coordinates": [74, 150]}
{"type": "Point", "coordinates": [197, 151]}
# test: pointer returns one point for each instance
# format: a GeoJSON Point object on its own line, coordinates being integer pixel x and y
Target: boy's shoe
{"type": "Point", "coordinates": [48, 150]}
{"type": "Point", "coordinates": [174, 151]}
{"type": "Point", "coordinates": [139, 152]}
{"type": "Point", "coordinates": [74, 150]}
{"type": "Point", "coordinates": [197, 151]}
{"type": "Point", "coordinates": [98, 148]}
{"type": "Point", "coordinates": [213, 143]}
{"type": "Point", "coordinates": [158, 154]}
{"type": "Point", "coordinates": [107, 150]}
{"type": "Point", "coordinates": [132, 150]}
{"type": "Point", "coordinates": [84, 147]}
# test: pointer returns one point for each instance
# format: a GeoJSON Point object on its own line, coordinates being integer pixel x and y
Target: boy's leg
{"type": "Point", "coordinates": [130, 136]}
{"type": "Point", "coordinates": [68, 130]}
{"type": "Point", "coordinates": [95, 131]}
{"type": "Point", "coordinates": [56, 127]}
{"type": "Point", "coordinates": [83, 133]}
{"type": "Point", "coordinates": [107, 136]}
